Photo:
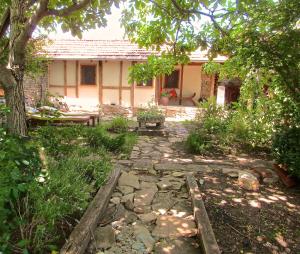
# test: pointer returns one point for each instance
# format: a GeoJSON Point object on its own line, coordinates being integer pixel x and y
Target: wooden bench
{"type": "Point", "coordinates": [34, 120]}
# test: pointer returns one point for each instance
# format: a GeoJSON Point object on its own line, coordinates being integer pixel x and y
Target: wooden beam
{"type": "Point", "coordinates": [181, 84]}
{"type": "Point", "coordinates": [100, 82]}
{"type": "Point", "coordinates": [212, 85]}
{"type": "Point", "coordinates": [65, 78]}
{"type": "Point", "coordinates": [132, 91]}
{"type": "Point", "coordinates": [77, 80]}
{"type": "Point", "coordinates": [82, 233]}
{"type": "Point", "coordinates": [120, 82]}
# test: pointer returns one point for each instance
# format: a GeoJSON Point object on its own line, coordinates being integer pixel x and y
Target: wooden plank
{"type": "Point", "coordinates": [63, 86]}
{"type": "Point", "coordinates": [205, 231]}
{"type": "Point", "coordinates": [77, 79]}
{"type": "Point", "coordinates": [132, 90]}
{"type": "Point", "coordinates": [181, 84]}
{"type": "Point", "coordinates": [120, 82]}
{"type": "Point", "coordinates": [100, 82]}
{"type": "Point", "coordinates": [81, 235]}
{"type": "Point", "coordinates": [65, 79]}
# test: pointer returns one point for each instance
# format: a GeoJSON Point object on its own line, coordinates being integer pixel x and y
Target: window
{"type": "Point", "coordinates": [88, 74]}
{"type": "Point", "coordinates": [148, 83]}
{"type": "Point", "coordinates": [171, 81]}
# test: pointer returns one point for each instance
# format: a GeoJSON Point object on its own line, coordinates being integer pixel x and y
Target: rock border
{"type": "Point", "coordinates": [205, 231]}
{"type": "Point", "coordinates": [81, 234]}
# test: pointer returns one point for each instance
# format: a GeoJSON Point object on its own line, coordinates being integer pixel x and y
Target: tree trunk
{"type": "Point", "coordinates": [16, 119]}
{"type": "Point", "coordinates": [14, 93]}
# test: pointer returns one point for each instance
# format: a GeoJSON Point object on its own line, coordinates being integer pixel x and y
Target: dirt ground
{"type": "Point", "coordinates": [266, 221]}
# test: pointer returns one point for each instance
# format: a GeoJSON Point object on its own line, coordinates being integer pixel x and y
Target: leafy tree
{"type": "Point", "coordinates": [253, 34]}
{"type": "Point", "coordinates": [18, 20]}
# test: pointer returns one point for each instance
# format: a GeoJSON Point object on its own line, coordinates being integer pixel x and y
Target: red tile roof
{"type": "Point", "coordinates": [107, 50]}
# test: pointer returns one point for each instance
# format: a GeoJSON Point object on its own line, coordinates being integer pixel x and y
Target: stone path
{"type": "Point", "coordinates": [150, 210]}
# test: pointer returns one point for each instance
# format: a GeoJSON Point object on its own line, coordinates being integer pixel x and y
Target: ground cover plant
{"type": "Point", "coordinates": [48, 180]}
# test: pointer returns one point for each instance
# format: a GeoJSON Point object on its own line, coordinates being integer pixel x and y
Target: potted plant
{"type": "Point", "coordinates": [164, 98]}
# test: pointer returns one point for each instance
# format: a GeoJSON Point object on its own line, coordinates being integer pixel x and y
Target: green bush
{"type": "Point", "coordinates": [20, 164]}
{"type": "Point", "coordinates": [286, 149]}
{"type": "Point", "coordinates": [59, 141]}
{"type": "Point", "coordinates": [198, 142]}
{"type": "Point", "coordinates": [39, 204]}
{"type": "Point", "coordinates": [98, 137]}
{"type": "Point", "coordinates": [118, 124]}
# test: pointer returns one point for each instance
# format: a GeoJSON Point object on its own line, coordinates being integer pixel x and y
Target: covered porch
{"type": "Point", "coordinates": [185, 86]}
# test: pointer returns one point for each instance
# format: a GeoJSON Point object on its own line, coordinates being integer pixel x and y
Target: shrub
{"type": "Point", "coordinates": [20, 164]}
{"type": "Point", "coordinates": [198, 142]}
{"type": "Point", "coordinates": [98, 137]}
{"type": "Point", "coordinates": [286, 149]}
{"type": "Point", "coordinates": [59, 141]}
{"type": "Point", "coordinates": [118, 124]}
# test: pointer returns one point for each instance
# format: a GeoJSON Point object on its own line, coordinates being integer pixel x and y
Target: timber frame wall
{"type": "Point", "coordinates": [130, 93]}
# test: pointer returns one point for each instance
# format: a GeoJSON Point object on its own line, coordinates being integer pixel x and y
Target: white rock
{"type": "Point", "coordinates": [248, 181]}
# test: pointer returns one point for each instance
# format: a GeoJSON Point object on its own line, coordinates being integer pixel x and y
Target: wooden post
{"type": "Point", "coordinates": [77, 80]}
{"type": "Point", "coordinates": [65, 78]}
{"type": "Point", "coordinates": [120, 83]}
{"type": "Point", "coordinates": [181, 85]}
{"type": "Point", "coordinates": [132, 91]}
{"type": "Point", "coordinates": [100, 82]}
{"type": "Point", "coordinates": [212, 85]}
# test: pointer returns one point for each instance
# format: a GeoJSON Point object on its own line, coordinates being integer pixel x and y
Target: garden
{"type": "Point", "coordinates": [49, 175]}
{"type": "Point", "coordinates": [49, 179]}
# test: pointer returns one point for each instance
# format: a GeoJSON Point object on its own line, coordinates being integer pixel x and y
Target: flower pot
{"type": "Point", "coordinates": [164, 101]}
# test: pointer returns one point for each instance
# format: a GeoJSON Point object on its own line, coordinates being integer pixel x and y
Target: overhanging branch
{"type": "Point", "coordinates": [4, 22]}
{"type": "Point", "coordinates": [68, 10]}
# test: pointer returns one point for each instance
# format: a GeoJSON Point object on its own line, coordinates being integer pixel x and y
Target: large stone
{"type": "Point", "coordinates": [104, 237]}
{"type": "Point", "coordinates": [143, 165]}
{"type": "Point", "coordinates": [144, 197]}
{"type": "Point", "coordinates": [142, 234]}
{"type": "Point", "coordinates": [129, 179]}
{"type": "Point", "coordinates": [178, 246]}
{"type": "Point", "coordinates": [170, 183]}
{"type": "Point", "coordinates": [148, 185]}
{"type": "Point", "coordinates": [148, 217]}
{"type": "Point", "coordinates": [164, 149]}
{"type": "Point", "coordinates": [142, 209]}
{"type": "Point", "coordinates": [115, 200]}
{"type": "Point", "coordinates": [172, 226]}
{"type": "Point", "coordinates": [248, 181]}
{"type": "Point", "coordinates": [168, 166]}
{"type": "Point", "coordinates": [125, 189]}
{"type": "Point", "coordinates": [163, 203]}
{"type": "Point", "coordinates": [128, 197]}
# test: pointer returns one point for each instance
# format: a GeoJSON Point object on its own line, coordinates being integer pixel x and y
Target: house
{"type": "Point", "coordinates": [96, 72]}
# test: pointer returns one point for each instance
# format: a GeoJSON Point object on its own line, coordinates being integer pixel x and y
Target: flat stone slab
{"type": "Point", "coordinates": [166, 166]}
{"type": "Point", "coordinates": [178, 246]}
{"type": "Point", "coordinates": [144, 197]}
{"type": "Point", "coordinates": [104, 237]}
{"type": "Point", "coordinates": [129, 179]}
{"type": "Point", "coordinates": [172, 226]}
{"type": "Point", "coordinates": [142, 233]}
{"type": "Point", "coordinates": [143, 165]}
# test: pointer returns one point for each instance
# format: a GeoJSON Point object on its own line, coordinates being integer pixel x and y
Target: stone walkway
{"type": "Point", "coordinates": [150, 210]}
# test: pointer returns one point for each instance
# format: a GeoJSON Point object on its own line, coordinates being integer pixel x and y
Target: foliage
{"type": "Point", "coordinates": [41, 200]}
{"type": "Point", "coordinates": [286, 149]}
{"type": "Point", "coordinates": [118, 124]}
{"type": "Point", "coordinates": [164, 94]}
{"type": "Point", "coordinates": [199, 142]}
{"type": "Point", "coordinates": [20, 164]}
{"type": "Point", "coordinates": [59, 142]}
{"type": "Point", "coordinates": [149, 113]}
{"type": "Point", "coordinates": [98, 137]}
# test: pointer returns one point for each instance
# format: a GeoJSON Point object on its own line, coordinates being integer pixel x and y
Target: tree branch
{"type": "Point", "coordinates": [4, 22]}
{"type": "Point", "coordinates": [68, 10]}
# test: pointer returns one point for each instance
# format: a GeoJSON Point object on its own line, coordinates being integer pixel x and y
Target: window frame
{"type": "Point", "coordinates": [81, 71]}
{"type": "Point", "coordinates": [178, 80]}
